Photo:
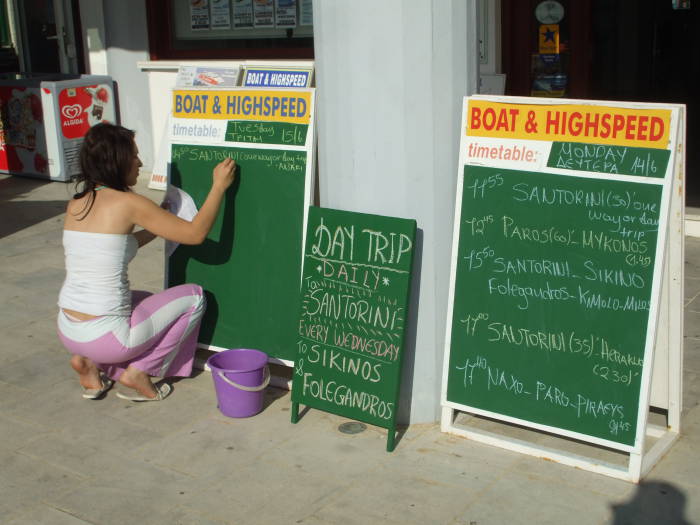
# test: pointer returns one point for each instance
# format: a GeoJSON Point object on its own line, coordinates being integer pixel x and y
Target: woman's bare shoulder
{"type": "Point", "coordinates": [136, 199]}
{"type": "Point", "coordinates": [109, 211]}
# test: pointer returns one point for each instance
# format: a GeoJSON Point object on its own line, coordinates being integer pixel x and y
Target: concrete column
{"type": "Point", "coordinates": [115, 37]}
{"type": "Point", "coordinates": [92, 21]}
{"type": "Point", "coordinates": [391, 76]}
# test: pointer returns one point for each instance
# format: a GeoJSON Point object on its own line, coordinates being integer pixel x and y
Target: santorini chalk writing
{"type": "Point", "coordinates": [352, 315]}
{"type": "Point", "coordinates": [552, 289]}
{"type": "Point", "coordinates": [346, 307]}
{"type": "Point", "coordinates": [602, 198]}
{"type": "Point", "coordinates": [285, 161]}
{"type": "Point", "coordinates": [589, 346]}
{"type": "Point", "coordinates": [519, 265]}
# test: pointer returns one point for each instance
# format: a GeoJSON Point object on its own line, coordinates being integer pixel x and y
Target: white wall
{"type": "Point", "coordinates": [391, 76]}
{"type": "Point", "coordinates": [115, 38]}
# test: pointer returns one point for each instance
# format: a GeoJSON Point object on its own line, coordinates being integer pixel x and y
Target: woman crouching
{"type": "Point", "coordinates": [116, 334]}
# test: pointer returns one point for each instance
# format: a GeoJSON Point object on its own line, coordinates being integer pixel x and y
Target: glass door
{"type": "Point", "coordinates": [47, 36]}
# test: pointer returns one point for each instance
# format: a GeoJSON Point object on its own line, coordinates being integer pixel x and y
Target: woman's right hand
{"type": "Point", "coordinates": [156, 220]}
{"type": "Point", "coordinates": [224, 173]}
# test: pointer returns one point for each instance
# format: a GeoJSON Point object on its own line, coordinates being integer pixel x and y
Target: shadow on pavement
{"type": "Point", "coordinates": [654, 502]}
{"type": "Point", "coordinates": [16, 215]}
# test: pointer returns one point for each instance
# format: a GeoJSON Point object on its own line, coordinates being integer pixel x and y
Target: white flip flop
{"type": "Point", "coordinates": [163, 391]}
{"type": "Point", "coordinates": [95, 393]}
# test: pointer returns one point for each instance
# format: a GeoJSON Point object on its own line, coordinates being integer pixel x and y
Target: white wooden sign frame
{"type": "Point", "coordinates": [661, 381]}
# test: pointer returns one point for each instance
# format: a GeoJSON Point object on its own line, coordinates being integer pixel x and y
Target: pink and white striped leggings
{"type": "Point", "coordinates": [159, 338]}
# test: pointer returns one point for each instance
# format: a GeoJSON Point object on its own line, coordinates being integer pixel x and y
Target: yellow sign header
{"type": "Point", "coordinates": [644, 128]}
{"type": "Point", "coordinates": [278, 105]}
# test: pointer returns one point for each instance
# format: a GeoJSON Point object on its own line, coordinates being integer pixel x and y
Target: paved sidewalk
{"type": "Point", "coordinates": [68, 461]}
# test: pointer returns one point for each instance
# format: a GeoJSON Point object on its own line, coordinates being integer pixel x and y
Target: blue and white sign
{"type": "Point", "coordinates": [287, 78]}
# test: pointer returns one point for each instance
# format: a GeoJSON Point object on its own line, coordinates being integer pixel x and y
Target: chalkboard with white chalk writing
{"type": "Point", "coordinates": [250, 263]}
{"type": "Point", "coordinates": [352, 318]}
{"type": "Point", "coordinates": [552, 297]}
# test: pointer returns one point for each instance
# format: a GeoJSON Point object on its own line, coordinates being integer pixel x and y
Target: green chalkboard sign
{"type": "Point", "coordinates": [552, 299]}
{"type": "Point", "coordinates": [250, 263]}
{"type": "Point", "coordinates": [351, 323]}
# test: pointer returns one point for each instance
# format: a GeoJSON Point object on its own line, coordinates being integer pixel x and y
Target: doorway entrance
{"type": "Point", "coordinates": [47, 36]}
{"type": "Point", "coordinates": [622, 50]}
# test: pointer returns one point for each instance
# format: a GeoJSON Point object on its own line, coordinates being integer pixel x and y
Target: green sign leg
{"type": "Point", "coordinates": [295, 412]}
{"type": "Point", "coordinates": [391, 436]}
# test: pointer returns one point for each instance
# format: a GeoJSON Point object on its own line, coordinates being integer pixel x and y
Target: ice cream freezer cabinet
{"type": "Point", "coordinates": [43, 121]}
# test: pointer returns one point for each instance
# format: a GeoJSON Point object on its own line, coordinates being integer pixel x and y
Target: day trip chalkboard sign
{"type": "Point", "coordinates": [559, 236]}
{"type": "Point", "coordinates": [352, 319]}
{"type": "Point", "coordinates": [250, 263]}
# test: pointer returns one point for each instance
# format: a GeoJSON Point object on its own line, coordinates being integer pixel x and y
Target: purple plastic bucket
{"type": "Point", "coordinates": [240, 377]}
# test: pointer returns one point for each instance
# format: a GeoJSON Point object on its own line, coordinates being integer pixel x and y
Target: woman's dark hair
{"type": "Point", "coordinates": [106, 157]}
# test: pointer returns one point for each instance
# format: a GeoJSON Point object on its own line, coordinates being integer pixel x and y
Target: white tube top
{"type": "Point", "coordinates": [96, 272]}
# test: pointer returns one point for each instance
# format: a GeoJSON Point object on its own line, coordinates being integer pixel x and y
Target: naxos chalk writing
{"type": "Point", "coordinates": [540, 391]}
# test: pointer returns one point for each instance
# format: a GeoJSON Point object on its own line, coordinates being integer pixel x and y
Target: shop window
{"type": "Point", "coordinates": [206, 29]}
